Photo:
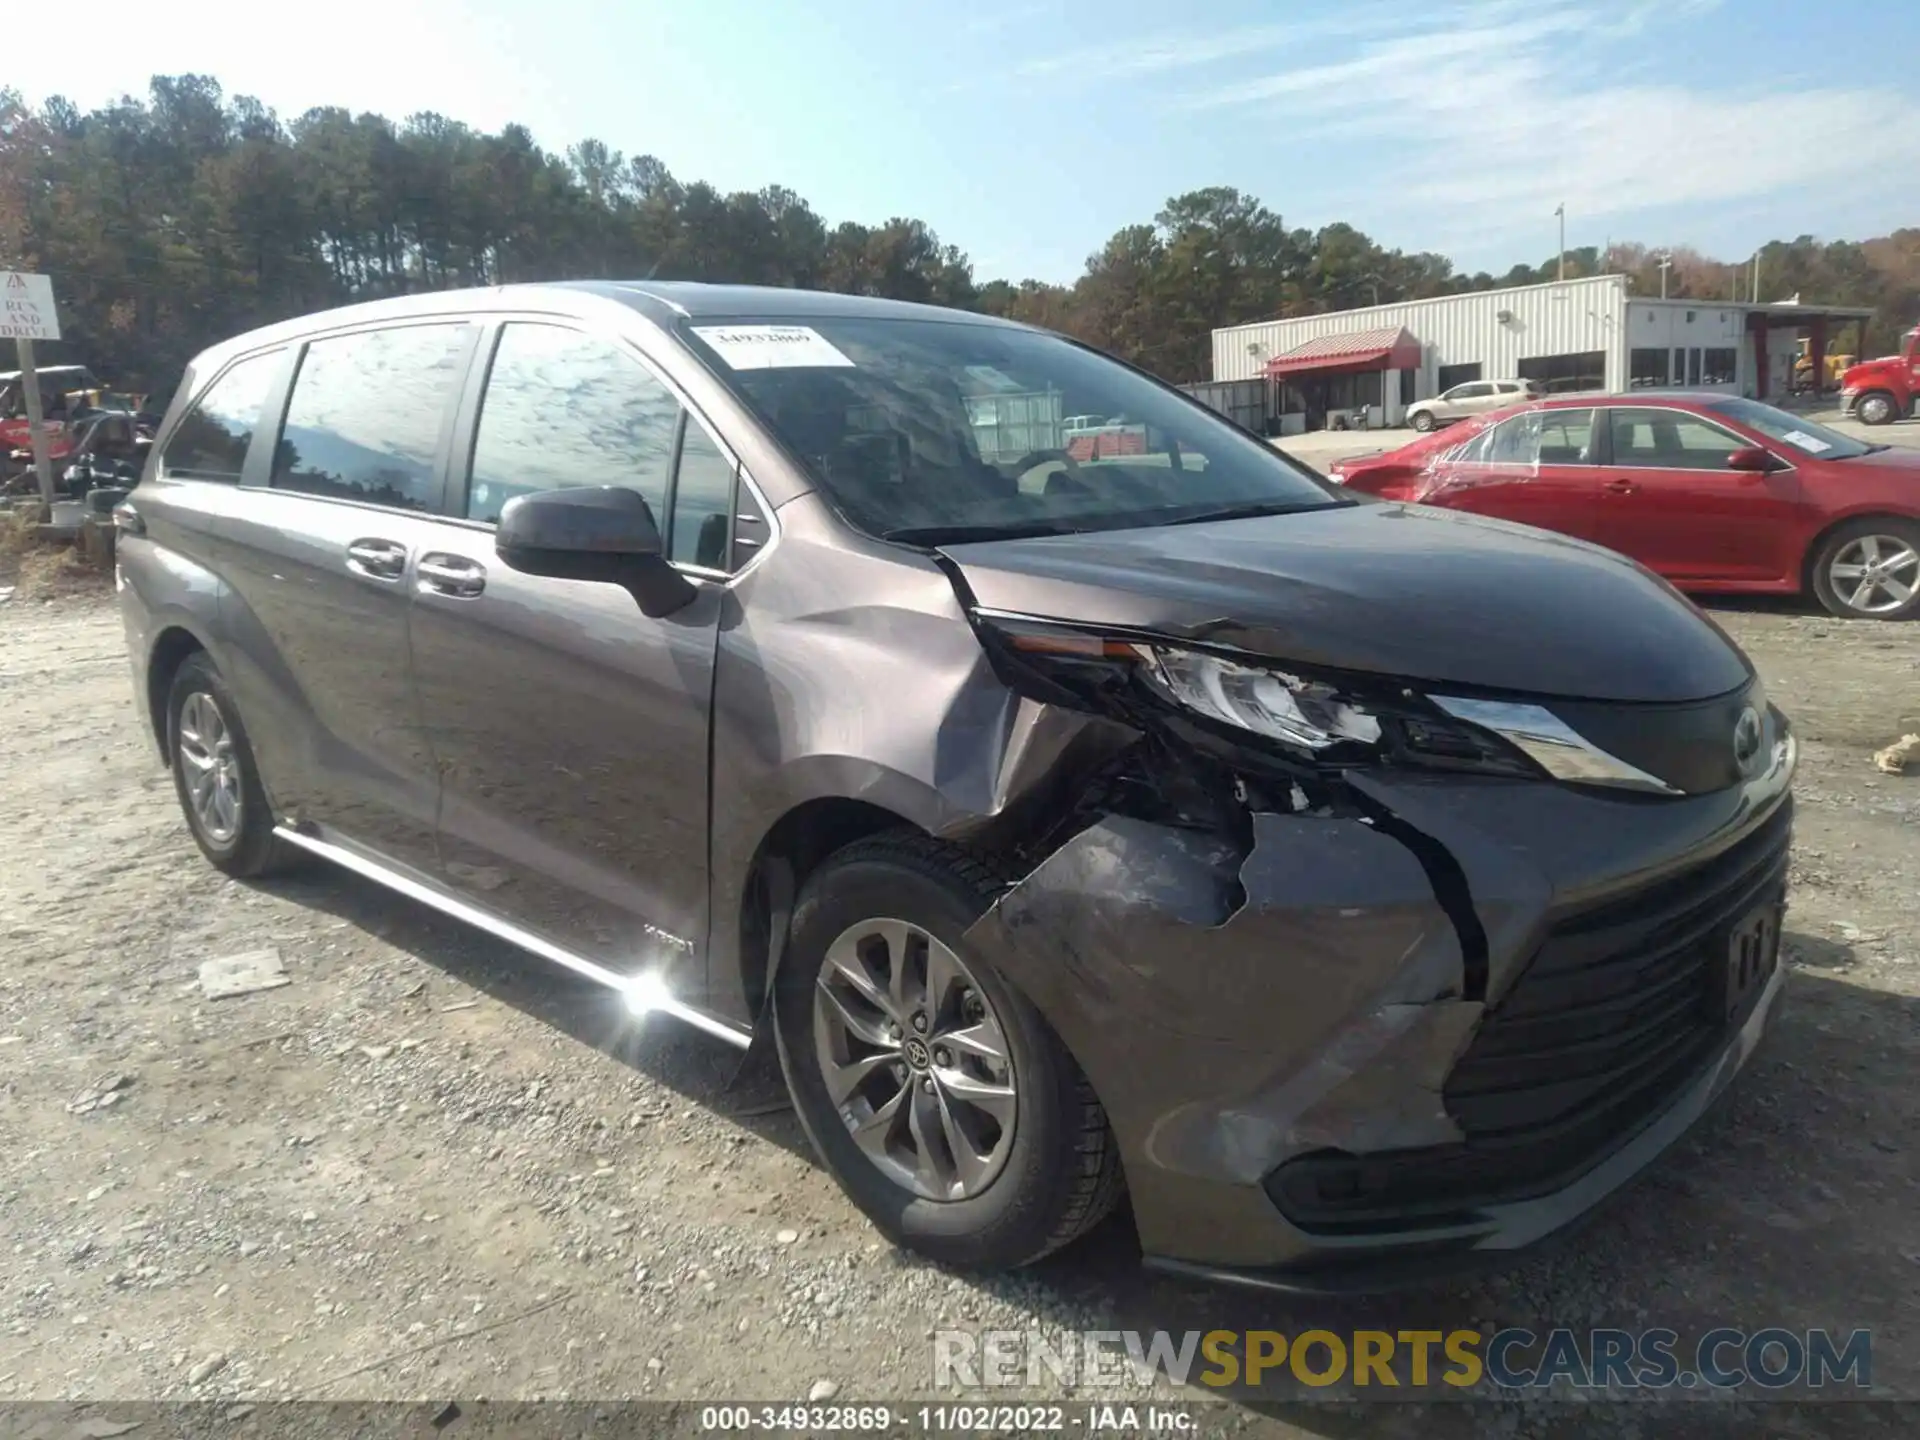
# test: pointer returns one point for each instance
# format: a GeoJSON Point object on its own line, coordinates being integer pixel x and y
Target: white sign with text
{"type": "Point", "coordinates": [26, 307]}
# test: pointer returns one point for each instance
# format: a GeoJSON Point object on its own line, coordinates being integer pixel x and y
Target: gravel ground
{"type": "Point", "coordinates": [428, 1167]}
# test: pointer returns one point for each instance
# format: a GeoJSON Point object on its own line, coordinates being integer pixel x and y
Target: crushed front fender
{"type": "Point", "coordinates": [1232, 1010]}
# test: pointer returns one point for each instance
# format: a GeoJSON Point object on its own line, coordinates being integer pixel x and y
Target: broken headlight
{"type": "Point", "coordinates": [1320, 720]}
{"type": "Point", "coordinates": [1306, 713]}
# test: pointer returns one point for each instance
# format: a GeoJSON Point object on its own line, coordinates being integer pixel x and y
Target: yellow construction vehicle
{"type": "Point", "coordinates": [1835, 366]}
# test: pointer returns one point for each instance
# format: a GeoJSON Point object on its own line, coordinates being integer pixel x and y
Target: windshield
{"type": "Point", "coordinates": [930, 431]}
{"type": "Point", "coordinates": [1802, 435]}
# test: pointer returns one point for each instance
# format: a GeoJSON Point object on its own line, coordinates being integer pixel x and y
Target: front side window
{"type": "Point", "coordinates": [1669, 440]}
{"type": "Point", "coordinates": [1470, 392]}
{"type": "Point", "coordinates": [564, 409]}
{"type": "Point", "coordinates": [702, 502]}
{"type": "Point", "coordinates": [211, 440]}
{"type": "Point", "coordinates": [366, 414]}
{"type": "Point", "coordinates": [931, 432]}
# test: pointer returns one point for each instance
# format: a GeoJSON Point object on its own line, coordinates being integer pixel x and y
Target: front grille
{"type": "Point", "coordinates": [1611, 1017]}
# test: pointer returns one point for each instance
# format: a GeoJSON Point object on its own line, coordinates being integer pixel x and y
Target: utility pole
{"type": "Point", "coordinates": [1561, 211]}
{"type": "Point", "coordinates": [36, 427]}
{"type": "Point", "coordinates": [1756, 277]}
{"type": "Point", "coordinates": [1666, 264]}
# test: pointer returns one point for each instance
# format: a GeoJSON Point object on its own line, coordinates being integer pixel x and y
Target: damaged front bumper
{"type": "Point", "coordinates": [1368, 1048]}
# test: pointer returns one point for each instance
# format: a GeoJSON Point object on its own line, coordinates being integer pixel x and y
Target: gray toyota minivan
{"type": "Point", "coordinates": [1077, 807]}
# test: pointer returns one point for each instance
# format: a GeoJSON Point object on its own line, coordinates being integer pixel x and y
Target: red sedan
{"type": "Point", "coordinates": [1716, 493]}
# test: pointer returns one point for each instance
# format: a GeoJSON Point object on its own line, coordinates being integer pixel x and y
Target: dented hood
{"type": "Point", "coordinates": [1402, 590]}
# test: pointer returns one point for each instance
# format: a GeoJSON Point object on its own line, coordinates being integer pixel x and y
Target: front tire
{"type": "Point", "coordinates": [935, 1092]}
{"type": "Point", "coordinates": [215, 776]}
{"type": "Point", "coordinates": [1869, 569]}
{"type": "Point", "coordinates": [1423, 422]}
{"type": "Point", "coordinates": [1875, 408]}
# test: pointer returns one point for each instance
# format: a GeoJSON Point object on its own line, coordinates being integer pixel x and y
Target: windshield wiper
{"type": "Point", "coordinates": [1253, 511]}
{"type": "Point", "coordinates": [964, 534]}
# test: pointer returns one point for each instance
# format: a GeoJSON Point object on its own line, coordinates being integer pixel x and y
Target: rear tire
{"type": "Point", "coordinates": [1040, 1168]}
{"type": "Point", "coordinates": [215, 776]}
{"type": "Point", "coordinates": [1876, 407]}
{"type": "Point", "coordinates": [1423, 422]}
{"type": "Point", "coordinates": [1869, 561]}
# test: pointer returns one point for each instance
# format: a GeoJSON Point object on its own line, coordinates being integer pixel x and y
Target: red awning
{"type": "Point", "coordinates": [1390, 348]}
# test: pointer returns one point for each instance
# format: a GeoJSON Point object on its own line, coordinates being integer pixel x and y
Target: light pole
{"type": "Point", "coordinates": [1561, 211]}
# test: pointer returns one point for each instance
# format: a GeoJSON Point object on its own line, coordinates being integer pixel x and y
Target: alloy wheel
{"type": "Point", "coordinates": [211, 768]}
{"type": "Point", "coordinates": [1876, 410]}
{"type": "Point", "coordinates": [914, 1059]}
{"type": "Point", "coordinates": [1875, 574]}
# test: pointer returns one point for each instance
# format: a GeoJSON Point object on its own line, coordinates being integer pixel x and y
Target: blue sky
{"type": "Point", "coordinates": [1028, 133]}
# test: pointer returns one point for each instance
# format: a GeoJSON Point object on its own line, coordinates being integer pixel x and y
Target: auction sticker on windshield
{"type": "Point", "coordinates": [771, 347]}
{"type": "Point", "coordinates": [1812, 444]}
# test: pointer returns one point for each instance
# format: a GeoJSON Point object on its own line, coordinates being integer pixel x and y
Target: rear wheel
{"type": "Point", "coordinates": [934, 1091]}
{"type": "Point", "coordinates": [1870, 569]}
{"type": "Point", "coordinates": [215, 776]}
{"type": "Point", "coordinates": [1423, 421]}
{"type": "Point", "coordinates": [1875, 408]}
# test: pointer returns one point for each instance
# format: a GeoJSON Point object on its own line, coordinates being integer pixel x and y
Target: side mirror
{"type": "Point", "coordinates": [1756, 459]}
{"type": "Point", "coordinates": [597, 533]}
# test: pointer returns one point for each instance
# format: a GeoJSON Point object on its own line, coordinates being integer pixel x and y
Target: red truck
{"type": "Point", "coordinates": [1878, 391]}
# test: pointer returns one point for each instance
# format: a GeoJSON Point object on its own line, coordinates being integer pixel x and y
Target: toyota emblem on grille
{"type": "Point", "coordinates": [1746, 739]}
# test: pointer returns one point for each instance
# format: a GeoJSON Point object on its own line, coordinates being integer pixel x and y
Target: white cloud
{"type": "Point", "coordinates": [1482, 129]}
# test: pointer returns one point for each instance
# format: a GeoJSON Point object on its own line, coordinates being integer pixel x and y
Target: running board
{"type": "Point", "coordinates": [656, 997]}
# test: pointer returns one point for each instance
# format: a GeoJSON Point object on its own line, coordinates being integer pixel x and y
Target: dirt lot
{"type": "Point", "coordinates": [428, 1167]}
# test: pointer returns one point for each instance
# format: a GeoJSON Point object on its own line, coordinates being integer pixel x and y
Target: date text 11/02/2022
{"type": "Point", "coordinates": [961, 1419]}
{"type": "Point", "coordinates": [1769, 1359]}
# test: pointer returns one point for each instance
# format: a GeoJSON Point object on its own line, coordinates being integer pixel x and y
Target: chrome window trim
{"type": "Point", "coordinates": [1554, 745]}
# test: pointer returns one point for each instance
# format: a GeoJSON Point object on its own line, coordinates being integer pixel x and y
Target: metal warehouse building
{"type": "Point", "coordinates": [1570, 335]}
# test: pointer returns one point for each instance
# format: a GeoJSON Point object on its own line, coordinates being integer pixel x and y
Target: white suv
{"type": "Point", "coordinates": [1471, 398]}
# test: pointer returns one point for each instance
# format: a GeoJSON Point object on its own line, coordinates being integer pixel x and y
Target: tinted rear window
{"type": "Point", "coordinates": [211, 440]}
{"type": "Point", "coordinates": [367, 413]}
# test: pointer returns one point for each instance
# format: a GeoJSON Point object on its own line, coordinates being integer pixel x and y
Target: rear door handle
{"type": "Point", "coordinates": [377, 559]}
{"type": "Point", "coordinates": [443, 574]}
{"type": "Point", "coordinates": [1622, 487]}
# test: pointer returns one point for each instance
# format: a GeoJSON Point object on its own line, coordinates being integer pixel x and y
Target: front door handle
{"type": "Point", "coordinates": [456, 575]}
{"type": "Point", "coordinates": [377, 559]}
{"type": "Point", "coordinates": [1622, 487]}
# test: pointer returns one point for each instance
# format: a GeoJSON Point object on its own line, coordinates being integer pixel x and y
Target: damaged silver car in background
{"type": "Point", "coordinates": [1363, 888]}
